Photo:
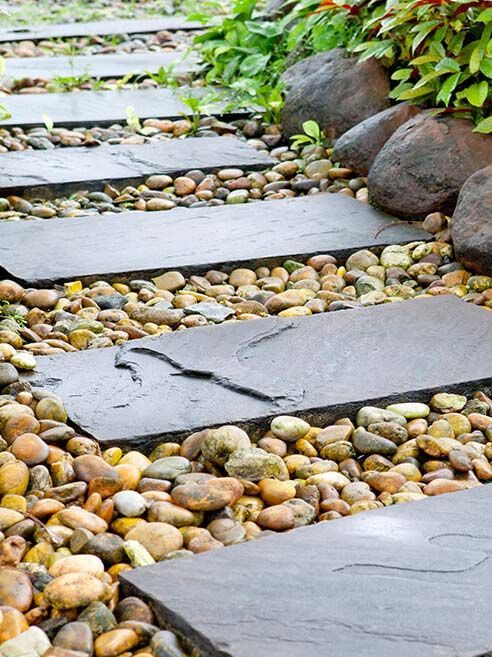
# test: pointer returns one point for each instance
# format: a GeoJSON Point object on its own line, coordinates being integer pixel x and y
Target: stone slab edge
{"type": "Point", "coordinates": [430, 541]}
{"type": "Point", "coordinates": [326, 216]}
{"type": "Point", "coordinates": [99, 28]}
{"type": "Point", "coordinates": [316, 414]}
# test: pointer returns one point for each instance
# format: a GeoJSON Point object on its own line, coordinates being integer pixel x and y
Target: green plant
{"type": "Point", "coordinates": [48, 122]}
{"type": "Point", "coordinates": [7, 312]}
{"type": "Point", "coordinates": [63, 83]}
{"type": "Point", "coordinates": [4, 113]}
{"type": "Point", "coordinates": [132, 120]}
{"type": "Point", "coordinates": [312, 135]}
{"type": "Point", "coordinates": [199, 105]}
{"type": "Point", "coordinates": [163, 77]}
{"type": "Point", "coordinates": [440, 52]}
{"type": "Point", "coordinates": [248, 54]}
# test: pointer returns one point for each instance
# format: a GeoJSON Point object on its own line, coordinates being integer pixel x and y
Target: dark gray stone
{"type": "Point", "coordinates": [172, 385]}
{"type": "Point", "coordinates": [471, 227]}
{"type": "Point", "coordinates": [96, 107]}
{"type": "Point", "coordinates": [411, 579]}
{"type": "Point", "coordinates": [97, 66]}
{"type": "Point", "coordinates": [358, 147]}
{"type": "Point", "coordinates": [251, 233]}
{"type": "Point", "coordinates": [99, 28]}
{"type": "Point", "coordinates": [337, 95]}
{"type": "Point", "coordinates": [63, 171]}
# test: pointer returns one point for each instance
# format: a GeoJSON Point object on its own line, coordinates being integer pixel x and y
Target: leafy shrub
{"type": "Point", "coordinates": [248, 54]}
{"type": "Point", "coordinates": [440, 52]}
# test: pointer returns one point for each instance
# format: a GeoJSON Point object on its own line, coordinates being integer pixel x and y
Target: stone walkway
{"type": "Point", "coordinates": [401, 581]}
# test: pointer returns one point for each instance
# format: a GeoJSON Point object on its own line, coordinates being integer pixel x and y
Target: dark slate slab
{"type": "Point", "coordinates": [172, 385]}
{"type": "Point", "coordinates": [97, 66]}
{"type": "Point", "coordinates": [49, 174]}
{"type": "Point", "coordinates": [99, 28]}
{"type": "Point", "coordinates": [193, 240]}
{"type": "Point", "coordinates": [407, 580]}
{"type": "Point", "coordinates": [96, 107]}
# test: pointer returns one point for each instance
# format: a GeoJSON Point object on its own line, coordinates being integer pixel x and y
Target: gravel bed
{"type": "Point", "coordinates": [73, 518]}
{"type": "Point", "coordinates": [73, 317]}
{"type": "Point", "coordinates": [98, 45]}
{"type": "Point", "coordinates": [296, 174]}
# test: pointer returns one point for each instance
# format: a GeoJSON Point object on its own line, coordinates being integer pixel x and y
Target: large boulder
{"type": "Point", "coordinates": [357, 148]}
{"type": "Point", "coordinates": [304, 67]}
{"type": "Point", "coordinates": [471, 227]}
{"type": "Point", "coordinates": [336, 91]}
{"type": "Point", "coordinates": [423, 166]}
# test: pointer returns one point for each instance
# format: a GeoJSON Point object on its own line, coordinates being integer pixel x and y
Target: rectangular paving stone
{"type": "Point", "coordinates": [238, 373]}
{"type": "Point", "coordinates": [97, 66]}
{"type": "Point", "coordinates": [98, 28]}
{"type": "Point", "coordinates": [49, 174]}
{"type": "Point", "coordinates": [194, 240]}
{"type": "Point", "coordinates": [407, 580]}
{"type": "Point", "coordinates": [96, 107]}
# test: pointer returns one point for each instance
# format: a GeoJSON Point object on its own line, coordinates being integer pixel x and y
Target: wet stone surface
{"type": "Point", "coordinates": [239, 373]}
{"type": "Point", "coordinates": [255, 235]}
{"type": "Point", "coordinates": [43, 174]}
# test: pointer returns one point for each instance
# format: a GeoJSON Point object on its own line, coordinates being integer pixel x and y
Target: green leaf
{"type": "Point", "coordinates": [415, 93]}
{"type": "Point", "coordinates": [424, 59]}
{"type": "Point", "coordinates": [485, 126]}
{"type": "Point", "coordinates": [476, 94]}
{"type": "Point", "coordinates": [402, 74]}
{"type": "Point", "coordinates": [447, 88]}
{"type": "Point", "coordinates": [253, 64]}
{"type": "Point", "coordinates": [475, 59]}
{"type": "Point", "coordinates": [485, 16]}
{"type": "Point", "coordinates": [486, 67]}
{"type": "Point", "coordinates": [448, 65]}
{"type": "Point", "coordinates": [312, 129]}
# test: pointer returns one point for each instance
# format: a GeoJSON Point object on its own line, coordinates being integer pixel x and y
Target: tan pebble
{"type": "Point", "coordinates": [74, 589]}
{"type": "Point", "coordinates": [278, 518]}
{"type": "Point", "coordinates": [275, 492]}
{"type": "Point", "coordinates": [115, 642]}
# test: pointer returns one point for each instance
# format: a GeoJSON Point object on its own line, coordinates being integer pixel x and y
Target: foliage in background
{"type": "Point", "coordinates": [440, 52]}
{"type": "Point", "coordinates": [248, 54]}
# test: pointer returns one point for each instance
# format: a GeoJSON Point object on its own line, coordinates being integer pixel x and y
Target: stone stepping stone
{"type": "Point", "coordinates": [98, 28]}
{"type": "Point", "coordinates": [99, 108]}
{"type": "Point", "coordinates": [410, 579]}
{"type": "Point", "coordinates": [97, 66]}
{"type": "Point", "coordinates": [47, 174]}
{"type": "Point", "coordinates": [194, 239]}
{"type": "Point", "coordinates": [166, 387]}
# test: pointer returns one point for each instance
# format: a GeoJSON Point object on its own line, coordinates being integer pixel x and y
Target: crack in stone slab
{"type": "Point", "coordinates": [376, 570]}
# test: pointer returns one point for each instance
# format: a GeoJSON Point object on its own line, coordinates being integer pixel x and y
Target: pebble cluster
{"type": "Point", "coordinates": [72, 518]}
{"type": "Point", "coordinates": [97, 45]}
{"type": "Point", "coordinates": [292, 176]}
{"type": "Point", "coordinates": [148, 131]}
{"type": "Point", "coordinates": [103, 314]}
